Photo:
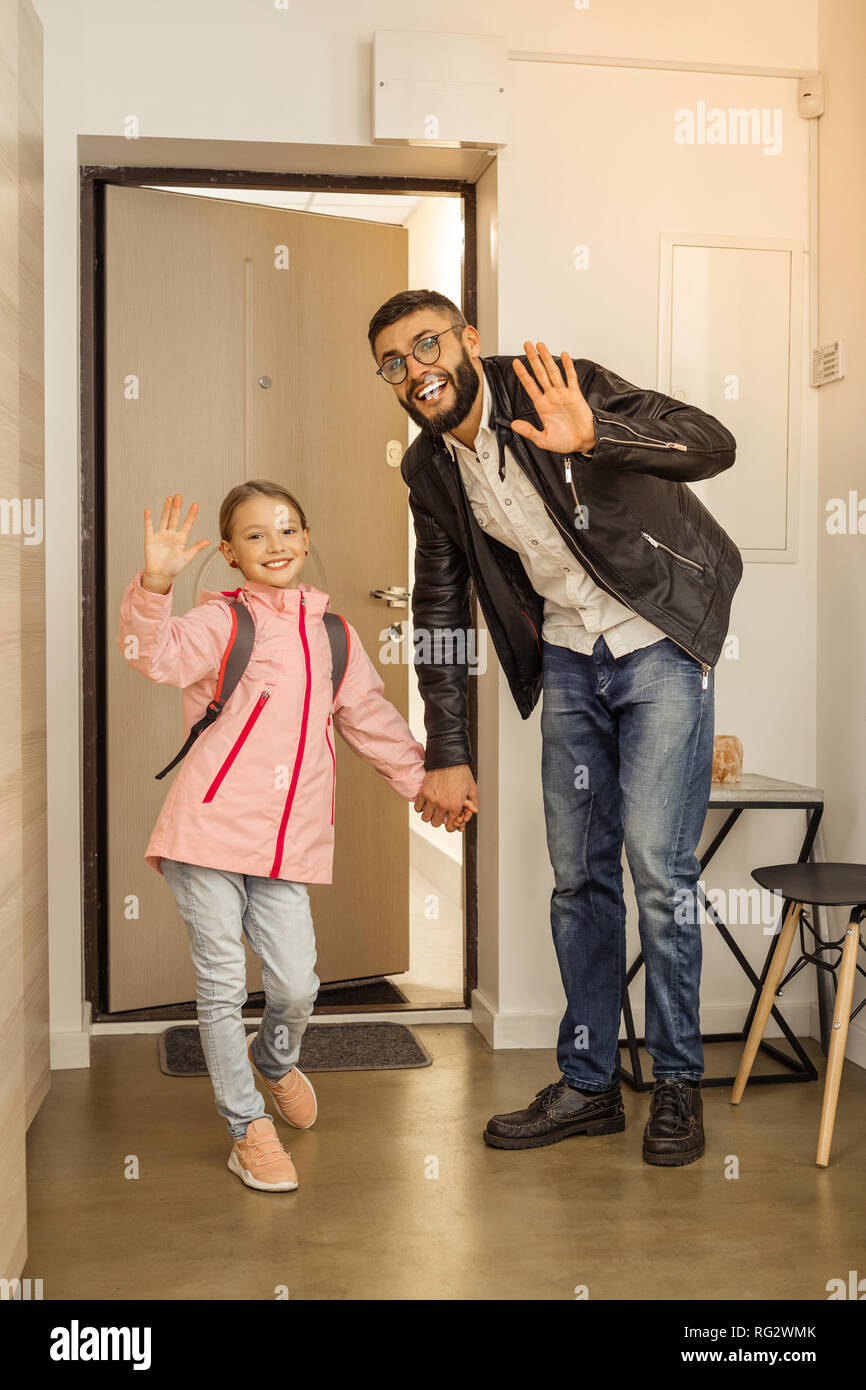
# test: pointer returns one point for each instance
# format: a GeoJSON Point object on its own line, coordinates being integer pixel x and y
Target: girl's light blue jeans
{"type": "Point", "coordinates": [220, 908]}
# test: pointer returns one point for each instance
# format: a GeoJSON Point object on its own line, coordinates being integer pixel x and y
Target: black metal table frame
{"type": "Point", "coordinates": [798, 1068]}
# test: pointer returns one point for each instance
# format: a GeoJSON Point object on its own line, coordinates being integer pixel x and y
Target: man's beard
{"type": "Point", "coordinates": [466, 387]}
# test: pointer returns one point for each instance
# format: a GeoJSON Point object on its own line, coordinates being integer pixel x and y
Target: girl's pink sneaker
{"type": "Point", "coordinates": [293, 1094]}
{"type": "Point", "coordinates": [260, 1160]}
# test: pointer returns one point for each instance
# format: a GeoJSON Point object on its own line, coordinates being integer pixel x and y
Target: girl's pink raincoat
{"type": "Point", "coordinates": [256, 792]}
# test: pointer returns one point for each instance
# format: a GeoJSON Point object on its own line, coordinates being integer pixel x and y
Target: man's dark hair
{"type": "Point", "coordinates": [399, 305]}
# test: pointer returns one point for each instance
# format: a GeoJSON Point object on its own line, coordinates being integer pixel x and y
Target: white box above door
{"type": "Point", "coordinates": [439, 89]}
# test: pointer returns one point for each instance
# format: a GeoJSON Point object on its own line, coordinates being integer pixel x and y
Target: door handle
{"type": "Point", "coordinates": [396, 597]}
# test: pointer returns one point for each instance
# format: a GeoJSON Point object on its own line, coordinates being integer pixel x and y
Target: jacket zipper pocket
{"type": "Point", "coordinates": [281, 836]}
{"type": "Point", "coordinates": [676, 554]}
{"type": "Point", "coordinates": [650, 443]}
{"type": "Point", "coordinates": [334, 767]}
{"type": "Point", "coordinates": [236, 747]}
{"type": "Point", "coordinates": [705, 670]}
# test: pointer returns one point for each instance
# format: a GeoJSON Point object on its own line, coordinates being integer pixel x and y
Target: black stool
{"type": "Point", "coordinates": [823, 885]}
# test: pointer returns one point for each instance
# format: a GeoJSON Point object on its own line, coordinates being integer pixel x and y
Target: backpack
{"type": "Point", "coordinates": [236, 656]}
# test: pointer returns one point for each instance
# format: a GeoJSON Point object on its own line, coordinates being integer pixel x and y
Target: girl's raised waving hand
{"type": "Point", "coordinates": [165, 552]}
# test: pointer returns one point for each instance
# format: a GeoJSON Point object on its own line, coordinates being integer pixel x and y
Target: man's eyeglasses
{"type": "Point", "coordinates": [426, 351]}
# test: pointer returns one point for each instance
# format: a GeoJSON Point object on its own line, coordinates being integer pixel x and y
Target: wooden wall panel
{"type": "Point", "coordinates": [13, 1214]}
{"type": "Point", "coordinates": [24, 1026]}
{"type": "Point", "coordinates": [32, 480]}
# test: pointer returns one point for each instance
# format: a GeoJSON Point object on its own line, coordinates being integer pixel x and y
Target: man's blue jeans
{"type": "Point", "coordinates": [627, 753]}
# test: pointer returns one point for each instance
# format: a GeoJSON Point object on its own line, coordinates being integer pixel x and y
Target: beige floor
{"type": "Point", "coordinates": [367, 1223]}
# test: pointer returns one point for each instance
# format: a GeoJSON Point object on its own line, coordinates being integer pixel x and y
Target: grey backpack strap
{"type": "Point", "coordinates": [232, 667]}
{"type": "Point", "coordinates": [338, 636]}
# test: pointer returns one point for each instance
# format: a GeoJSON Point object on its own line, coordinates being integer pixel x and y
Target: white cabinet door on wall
{"type": "Point", "coordinates": [730, 341]}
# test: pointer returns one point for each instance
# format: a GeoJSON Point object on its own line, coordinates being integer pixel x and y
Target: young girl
{"type": "Point", "coordinates": [248, 821]}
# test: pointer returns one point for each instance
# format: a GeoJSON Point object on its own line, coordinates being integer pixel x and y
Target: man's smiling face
{"type": "Point", "coordinates": [438, 396]}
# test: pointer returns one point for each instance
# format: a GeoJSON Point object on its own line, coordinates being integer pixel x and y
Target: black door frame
{"type": "Point", "coordinates": [92, 184]}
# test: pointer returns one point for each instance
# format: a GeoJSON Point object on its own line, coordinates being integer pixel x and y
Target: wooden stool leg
{"type": "Point", "coordinates": [765, 1003]}
{"type": "Point", "coordinates": [838, 1036]}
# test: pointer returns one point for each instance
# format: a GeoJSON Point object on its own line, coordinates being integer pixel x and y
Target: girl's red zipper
{"type": "Point", "coordinates": [244, 734]}
{"type": "Point", "coordinates": [333, 766]}
{"type": "Point", "coordinates": [236, 747]}
{"type": "Point", "coordinates": [281, 836]}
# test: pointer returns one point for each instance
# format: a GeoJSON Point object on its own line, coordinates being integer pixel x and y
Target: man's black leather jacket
{"type": "Point", "coordinates": [644, 537]}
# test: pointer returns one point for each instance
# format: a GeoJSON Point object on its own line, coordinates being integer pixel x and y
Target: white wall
{"type": "Point", "coordinates": [841, 581]}
{"type": "Point", "coordinates": [216, 70]}
{"type": "Point", "coordinates": [611, 177]}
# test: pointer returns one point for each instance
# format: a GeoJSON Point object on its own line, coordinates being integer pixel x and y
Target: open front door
{"type": "Point", "coordinates": [245, 330]}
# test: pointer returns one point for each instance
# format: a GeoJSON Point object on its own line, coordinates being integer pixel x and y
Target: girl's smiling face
{"type": "Point", "coordinates": [268, 542]}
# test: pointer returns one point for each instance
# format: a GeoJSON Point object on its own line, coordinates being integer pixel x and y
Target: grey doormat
{"type": "Point", "coordinates": [324, 1047]}
{"type": "Point", "coordinates": [345, 995]}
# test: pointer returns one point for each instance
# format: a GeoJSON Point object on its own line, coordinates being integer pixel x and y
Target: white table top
{"type": "Point", "coordinates": [753, 787]}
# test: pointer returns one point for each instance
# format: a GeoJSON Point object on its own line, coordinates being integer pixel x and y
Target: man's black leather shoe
{"type": "Point", "coordinates": [674, 1132]}
{"type": "Point", "coordinates": [557, 1112]}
